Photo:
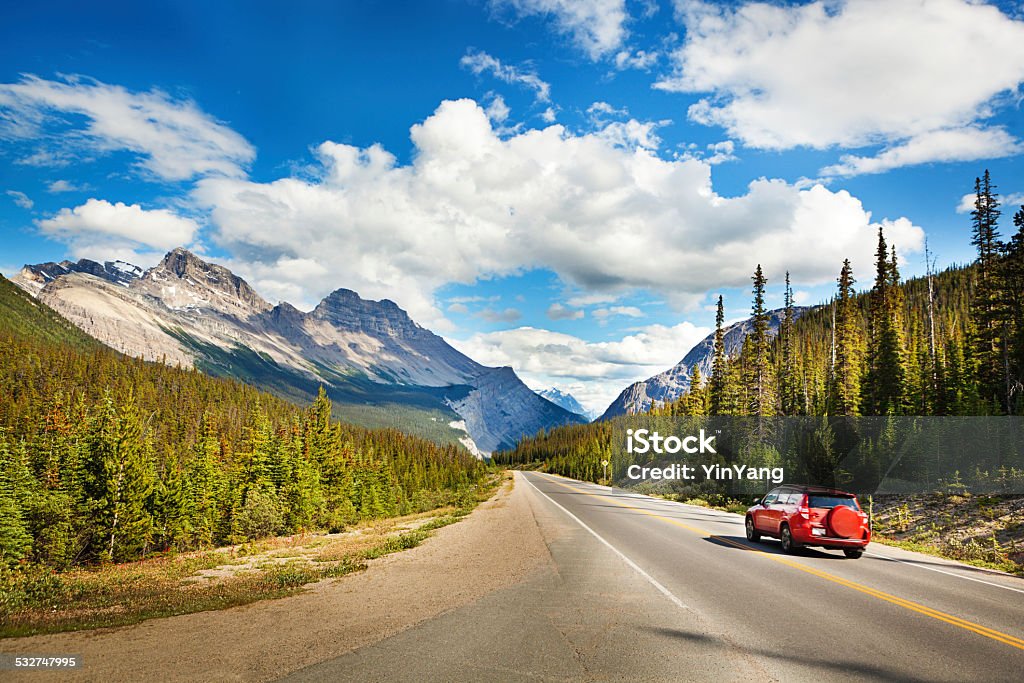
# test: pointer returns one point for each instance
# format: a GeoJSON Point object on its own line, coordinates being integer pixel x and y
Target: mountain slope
{"type": "Point", "coordinates": [380, 367]}
{"type": "Point", "coordinates": [673, 383]}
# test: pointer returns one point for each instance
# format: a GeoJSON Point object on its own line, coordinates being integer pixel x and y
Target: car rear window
{"type": "Point", "coordinates": [831, 501]}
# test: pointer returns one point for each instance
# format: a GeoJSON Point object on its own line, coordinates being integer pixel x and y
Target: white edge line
{"type": "Point", "coordinates": [654, 582]}
{"type": "Point", "coordinates": [958, 576]}
{"type": "Point", "coordinates": [884, 557]}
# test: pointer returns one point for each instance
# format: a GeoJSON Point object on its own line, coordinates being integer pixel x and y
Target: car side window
{"type": "Point", "coordinates": [785, 498]}
{"type": "Point", "coordinates": [770, 498]}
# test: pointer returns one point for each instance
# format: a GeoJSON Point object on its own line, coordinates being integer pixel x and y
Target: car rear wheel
{"type": "Point", "coordinates": [853, 553]}
{"type": "Point", "coordinates": [752, 534]}
{"type": "Point", "coordinates": [788, 544]}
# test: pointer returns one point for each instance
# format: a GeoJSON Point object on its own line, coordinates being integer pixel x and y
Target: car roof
{"type": "Point", "coordinates": [810, 488]}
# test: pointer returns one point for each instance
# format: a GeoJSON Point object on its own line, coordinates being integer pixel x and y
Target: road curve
{"type": "Point", "coordinates": [643, 589]}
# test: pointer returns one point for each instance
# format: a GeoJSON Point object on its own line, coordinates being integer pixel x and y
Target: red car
{"type": "Point", "coordinates": [811, 516]}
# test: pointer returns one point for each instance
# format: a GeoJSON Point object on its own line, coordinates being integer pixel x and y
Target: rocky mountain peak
{"type": "Point", "coordinates": [346, 310]}
{"type": "Point", "coordinates": [183, 280]}
{"type": "Point", "coordinates": [34, 277]}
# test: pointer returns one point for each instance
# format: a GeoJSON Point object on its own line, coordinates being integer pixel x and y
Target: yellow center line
{"type": "Point", "coordinates": [907, 604]}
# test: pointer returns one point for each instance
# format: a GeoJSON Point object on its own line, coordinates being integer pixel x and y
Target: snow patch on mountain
{"type": "Point", "coordinates": [567, 401]}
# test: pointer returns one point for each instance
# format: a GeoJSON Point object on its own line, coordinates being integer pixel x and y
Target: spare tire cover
{"type": "Point", "coordinates": [844, 522]}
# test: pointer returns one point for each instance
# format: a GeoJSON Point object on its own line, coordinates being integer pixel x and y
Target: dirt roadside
{"type": "Point", "coordinates": [498, 545]}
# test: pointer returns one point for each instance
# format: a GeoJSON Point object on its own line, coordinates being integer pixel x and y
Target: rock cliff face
{"type": "Point", "coordinates": [673, 383]}
{"type": "Point", "coordinates": [194, 313]}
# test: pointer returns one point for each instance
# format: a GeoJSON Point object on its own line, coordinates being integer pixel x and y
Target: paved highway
{"type": "Point", "coordinates": [647, 590]}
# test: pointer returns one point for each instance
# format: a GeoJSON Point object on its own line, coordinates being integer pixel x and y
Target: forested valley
{"type": "Point", "coordinates": [105, 458]}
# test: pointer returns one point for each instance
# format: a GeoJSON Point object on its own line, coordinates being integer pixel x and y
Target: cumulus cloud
{"type": "Point", "coordinates": [481, 62]}
{"type": "Point", "coordinates": [606, 218]}
{"type": "Point", "coordinates": [597, 27]}
{"type": "Point", "coordinates": [557, 311]}
{"type": "Point", "coordinates": [852, 73]}
{"type": "Point", "coordinates": [101, 230]}
{"type": "Point", "coordinates": [172, 137]}
{"type": "Point", "coordinates": [21, 199]}
{"type": "Point", "coordinates": [595, 370]}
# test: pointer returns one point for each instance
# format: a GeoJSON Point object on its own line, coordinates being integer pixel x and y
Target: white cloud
{"type": "Point", "coordinates": [173, 138]}
{"type": "Point", "coordinates": [58, 186]}
{"type": "Point", "coordinates": [480, 62]}
{"type": "Point", "coordinates": [471, 204]}
{"type": "Point", "coordinates": [1014, 200]}
{"type": "Point", "coordinates": [640, 59]}
{"type": "Point", "coordinates": [21, 199]}
{"type": "Point", "coordinates": [959, 144]}
{"type": "Point", "coordinates": [851, 73]}
{"type": "Point", "coordinates": [497, 110]}
{"type": "Point", "coordinates": [612, 311]}
{"type": "Point", "coordinates": [548, 115]}
{"type": "Point", "coordinates": [102, 231]}
{"type": "Point", "coordinates": [458, 308]}
{"type": "Point", "coordinates": [507, 315]}
{"type": "Point", "coordinates": [592, 299]}
{"type": "Point", "coordinates": [597, 27]}
{"type": "Point", "coordinates": [632, 133]}
{"type": "Point", "coordinates": [597, 371]}
{"type": "Point", "coordinates": [596, 109]}
{"type": "Point", "coordinates": [557, 311]}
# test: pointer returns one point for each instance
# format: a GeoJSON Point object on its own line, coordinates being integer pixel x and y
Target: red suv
{"type": "Point", "coordinates": [810, 516]}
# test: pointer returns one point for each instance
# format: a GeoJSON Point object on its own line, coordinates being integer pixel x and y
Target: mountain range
{"type": "Point", "coordinates": [378, 365]}
{"type": "Point", "coordinates": [669, 385]}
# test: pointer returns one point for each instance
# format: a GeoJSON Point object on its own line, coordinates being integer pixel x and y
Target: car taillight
{"type": "Point", "coordinates": [805, 512]}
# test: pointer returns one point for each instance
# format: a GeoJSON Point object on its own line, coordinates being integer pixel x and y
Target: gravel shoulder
{"type": "Point", "coordinates": [496, 546]}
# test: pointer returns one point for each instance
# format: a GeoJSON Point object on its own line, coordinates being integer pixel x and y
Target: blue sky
{"type": "Point", "coordinates": [562, 186]}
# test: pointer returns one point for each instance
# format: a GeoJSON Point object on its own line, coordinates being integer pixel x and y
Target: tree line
{"type": "Point", "coordinates": [949, 343]}
{"type": "Point", "coordinates": [109, 458]}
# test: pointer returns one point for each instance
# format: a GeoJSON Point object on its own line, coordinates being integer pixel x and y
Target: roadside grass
{"type": "Point", "coordinates": [35, 600]}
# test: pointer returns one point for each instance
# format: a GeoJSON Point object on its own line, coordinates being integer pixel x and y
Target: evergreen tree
{"type": "Point", "coordinates": [845, 383]}
{"type": "Point", "coordinates": [1013, 281]}
{"type": "Point", "coordinates": [985, 308]}
{"type": "Point", "coordinates": [15, 541]}
{"type": "Point", "coordinates": [759, 377]}
{"type": "Point", "coordinates": [717, 398]}
{"type": "Point", "coordinates": [788, 374]}
{"type": "Point", "coordinates": [170, 508]}
{"type": "Point", "coordinates": [119, 476]}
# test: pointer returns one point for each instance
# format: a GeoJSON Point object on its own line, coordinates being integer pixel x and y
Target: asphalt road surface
{"type": "Point", "coordinates": [647, 590]}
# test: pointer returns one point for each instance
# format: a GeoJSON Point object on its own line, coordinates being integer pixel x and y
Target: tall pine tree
{"type": "Point", "coordinates": [844, 395]}
{"type": "Point", "coordinates": [759, 371]}
{"type": "Point", "coordinates": [718, 366]}
{"type": "Point", "coordinates": [985, 305]}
